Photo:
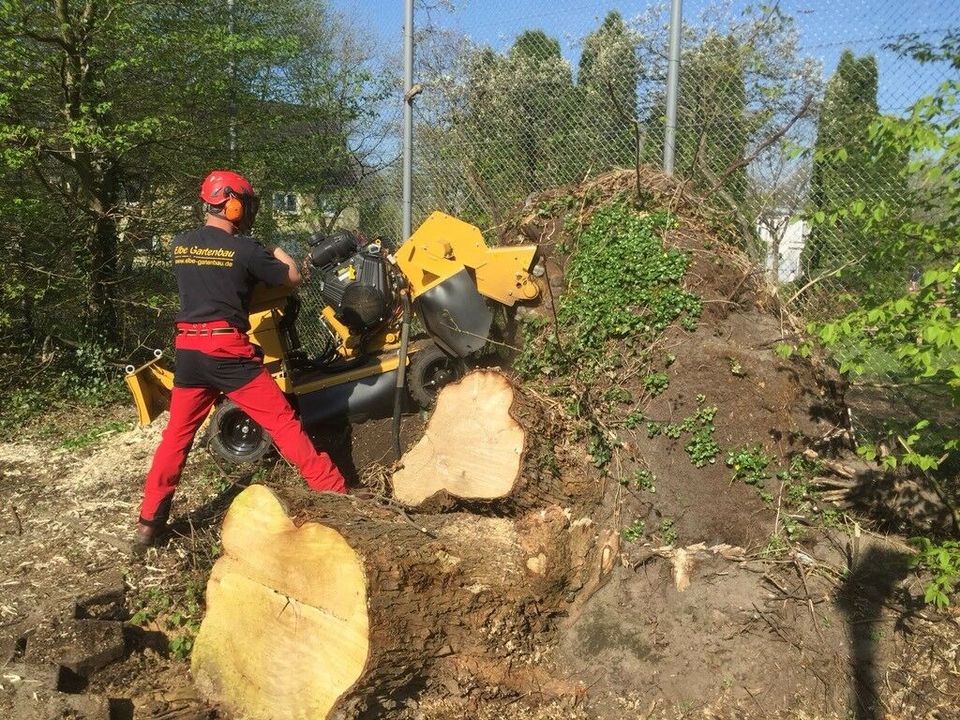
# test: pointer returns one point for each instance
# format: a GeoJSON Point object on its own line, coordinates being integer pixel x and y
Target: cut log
{"type": "Point", "coordinates": [486, 444]}
{"type": "Point", "coordinates": [354, 607]}
{"type": "Point", "coordinates": [472, 447]}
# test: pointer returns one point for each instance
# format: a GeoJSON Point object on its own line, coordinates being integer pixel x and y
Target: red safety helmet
{"type": "Point", "coordinates": [222, 184]}
{"type": "Point", "coordinates": [233, 193]}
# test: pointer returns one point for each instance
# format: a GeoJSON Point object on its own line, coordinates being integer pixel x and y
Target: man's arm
{"type": "Point", "coordinates": [293, 274]}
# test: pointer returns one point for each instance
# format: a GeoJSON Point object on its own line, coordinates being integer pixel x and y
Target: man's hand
{"type": "Point", "coordinates": [293, 274]}
{"type": "Point", "coordinates": [306, 269]}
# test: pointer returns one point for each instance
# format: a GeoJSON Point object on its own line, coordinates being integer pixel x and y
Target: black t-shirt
{"type": "Point", "coordinates": [216, 272]}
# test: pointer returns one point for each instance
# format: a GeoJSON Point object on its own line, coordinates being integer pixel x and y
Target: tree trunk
{"type": "Point", "coordinates": [486, 445]}
{"type": "Point", "coordinates": [104, 257]}
{"type": "Point", "coordinates": [355, 607]}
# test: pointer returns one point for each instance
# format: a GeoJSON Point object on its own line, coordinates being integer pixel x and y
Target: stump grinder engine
{"type": "Point", "coordinates": [367, 363]}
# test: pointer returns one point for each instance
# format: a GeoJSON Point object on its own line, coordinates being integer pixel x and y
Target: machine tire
{"type": "Point", "coordinates": [430, 369]}
{"type": "Point", "coordinates": [234, 437]}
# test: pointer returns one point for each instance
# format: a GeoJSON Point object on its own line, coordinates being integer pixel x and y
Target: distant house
{"type": "Point", "coordinates": [286, 203]}
{"type": "Point", "coordinates": [785, 239]}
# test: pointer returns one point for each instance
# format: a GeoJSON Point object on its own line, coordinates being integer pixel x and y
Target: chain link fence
{"type": "Point", "coordinates": [775, 102]}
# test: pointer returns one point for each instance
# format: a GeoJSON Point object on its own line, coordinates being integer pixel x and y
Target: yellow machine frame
{"type": "Point", "coordinates": [442, 247]}
{"type": "Point", "coordinates": [150, 385]}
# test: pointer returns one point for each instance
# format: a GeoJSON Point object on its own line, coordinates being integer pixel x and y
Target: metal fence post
{"type": "Point", "coordinates": [673, 79]}
{"type": "Point", "coordinates": [232, 65]}
{"type": "Point", "coordinates": [407, 121]}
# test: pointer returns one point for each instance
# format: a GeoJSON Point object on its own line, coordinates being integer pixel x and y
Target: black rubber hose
{"type": "Point", "coordinates": [401, 371]}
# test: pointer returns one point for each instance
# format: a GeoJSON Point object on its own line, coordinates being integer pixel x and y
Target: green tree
{"type": "Point", "coordinates": [843, 168]}
{"type": "Point", "coordinates": [307, 115]}
{"type": "Point", "coordinates": [918, 323]}
{"type": "Point", "coordinates": [607, 83]}
{"type": "Point", "coordinates": [541, 101]}
{"type": "Point", "coordinates": [746, 91]}
{"type": "Point", "coordinates": [712, 117]}
{"type": "Point", "coordinates": [110, 114]}
{"type": "Point", "coordinates": [847, 167]}
{"type": "Point", "coordinates": [511, 130]}
{"type": "Point", "coordinates": [712, 128]}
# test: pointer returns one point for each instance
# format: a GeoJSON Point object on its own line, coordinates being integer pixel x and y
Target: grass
{"type": "Point", "coordinates": [90, 436]}
{"type": "Point", "coordinates": [176, 614]}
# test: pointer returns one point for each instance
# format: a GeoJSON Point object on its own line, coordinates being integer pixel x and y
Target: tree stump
{"type": "Point", "coordinates": [353, 606]}
{"type": "Point", "coordinates": [487, 444]}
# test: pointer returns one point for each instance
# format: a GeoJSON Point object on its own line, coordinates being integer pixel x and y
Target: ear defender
{"type": "Point", "coordinates": [233, 209]}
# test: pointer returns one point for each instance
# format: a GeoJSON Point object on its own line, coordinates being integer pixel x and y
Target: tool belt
{"type": "Point", "coordinates": [215, 327]}
{"type": "Point", "coordinates": [215, 331]}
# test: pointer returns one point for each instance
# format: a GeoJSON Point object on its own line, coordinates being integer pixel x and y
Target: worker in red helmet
{"type": "Point", "coordinates": [217, 266]}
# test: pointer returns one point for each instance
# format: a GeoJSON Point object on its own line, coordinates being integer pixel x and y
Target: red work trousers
{"type": "Point", "coordinates": [260, 398]}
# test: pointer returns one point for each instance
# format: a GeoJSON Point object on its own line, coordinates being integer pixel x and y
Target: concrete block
{"type": "Point", "coordinates": [96, 644]}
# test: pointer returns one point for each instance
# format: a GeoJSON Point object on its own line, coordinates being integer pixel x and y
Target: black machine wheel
{"type": "Point", "coordinates": [235, 437]}
{"type": "Point", "coordinates": [430, 369]}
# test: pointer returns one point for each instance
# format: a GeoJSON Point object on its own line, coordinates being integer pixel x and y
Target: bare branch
{"type": "Point", "coordinates": [764, 144]}
{"type": "Point", "coordinates": [824, 276]}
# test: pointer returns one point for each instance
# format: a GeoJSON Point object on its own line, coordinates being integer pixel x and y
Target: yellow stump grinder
{"type": "Point", "coordinates": [367, 362]}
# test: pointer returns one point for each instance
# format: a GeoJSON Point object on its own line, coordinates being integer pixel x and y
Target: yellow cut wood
{"type": "Point", "coordinates": [295, 629]}
{"type": "Point", "coordinates": [294, 595]}
{"type": "Point", "coordinates": [472, 447]}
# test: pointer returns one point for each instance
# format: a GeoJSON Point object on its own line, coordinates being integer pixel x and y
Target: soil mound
{"type": "Point", "coordinates": [661, 406]}
{"type": "Point", "coordinates": [725, 360]}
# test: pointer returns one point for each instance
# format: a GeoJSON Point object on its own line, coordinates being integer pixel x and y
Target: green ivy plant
{"type": "Point", "coordinates": [749, 464]}
{"type": "Point", "coordinates": [701, 448]}
{"type": "Point", "coordinates": [622, 283]}
{"type": "Point", "coordinates": [656, 383]}
{"type": "Point", "coordinates": [642, 480]}
{"type": "Point", "coordinates": [634, 419]}
{"type": "Point", "coordinates": [634, 531]}
{"type": "Point", "coordinates": [667, 530]}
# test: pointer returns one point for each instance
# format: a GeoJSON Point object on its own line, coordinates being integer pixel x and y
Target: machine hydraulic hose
{"type": "Point", "coordinates": [401, 371]}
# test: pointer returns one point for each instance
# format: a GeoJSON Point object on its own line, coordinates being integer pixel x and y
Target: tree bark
{"type": "Point", "coordinates": [353, 607]}
{"type": "Point", "coordinates": [94, 169]}
{"type": "Point", "coordinates": [104, 254]}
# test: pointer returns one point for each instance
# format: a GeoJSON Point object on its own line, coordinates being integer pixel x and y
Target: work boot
{"type": "Point", "coordinates": [147, 534]}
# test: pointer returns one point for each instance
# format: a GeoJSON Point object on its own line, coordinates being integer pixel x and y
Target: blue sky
{"type": "Point", "coordinates": [827, 27]}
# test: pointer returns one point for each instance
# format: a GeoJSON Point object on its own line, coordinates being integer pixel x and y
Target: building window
{"type": "Point", "coordinates": [286, 203]}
